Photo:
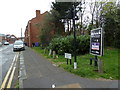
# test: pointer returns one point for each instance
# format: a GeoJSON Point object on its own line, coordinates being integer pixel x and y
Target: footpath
{"type": "Point", "coordinates": [38, 72]}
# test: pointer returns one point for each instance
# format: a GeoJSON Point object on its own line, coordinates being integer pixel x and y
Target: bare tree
{"type": "Point", "coordinates": [92, 11]}
{"type": "Point", "coordinates": [82, 7]}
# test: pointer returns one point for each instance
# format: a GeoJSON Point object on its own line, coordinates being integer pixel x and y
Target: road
{"type": "Point", "coordinates": [41, 73]}
{"type": "Point", "coordinates": [6, 58]}
{"type": "Point", "coordinates": [37, 72]}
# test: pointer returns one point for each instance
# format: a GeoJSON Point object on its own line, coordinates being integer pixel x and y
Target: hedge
{"type": "Point", "coordinates": [66, 44]}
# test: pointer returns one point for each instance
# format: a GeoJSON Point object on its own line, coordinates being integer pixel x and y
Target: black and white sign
{"type": "Point", "coordinates": [96, 42]}
{"type": "Point", "coordinates": [68, 56]}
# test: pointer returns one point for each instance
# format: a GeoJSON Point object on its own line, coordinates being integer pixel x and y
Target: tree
{"type": "Point", "coordinates": [117, 19]}
{"type": "Point", "coordinates": [65, 10]}
{"type": "Point", "coordinates": [50, 27]}
{"type": "Point", "coordinates": [95, 7]}
{"type": "Point", "coordinates": [111, 25]}
{"type": "Point", "coordinates": [82, 8]}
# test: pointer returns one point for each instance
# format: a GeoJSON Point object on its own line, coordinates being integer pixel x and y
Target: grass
{"type": "Point", "coordinates": [84, 69]}
{"type": "Point", "coordinates": [17, 84]}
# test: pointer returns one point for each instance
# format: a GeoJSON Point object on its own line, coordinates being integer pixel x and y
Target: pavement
{"type": "Point", "coordinates": [38, 72]}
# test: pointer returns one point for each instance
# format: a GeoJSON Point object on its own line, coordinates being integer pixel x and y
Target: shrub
{"type": "Point", "coordinates": [66, 44]}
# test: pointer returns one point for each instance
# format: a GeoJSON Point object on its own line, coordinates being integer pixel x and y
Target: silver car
{"type": "Point", "coordinates": [18, 45]}
{"type": "Point", "coordinates": [6, 43]}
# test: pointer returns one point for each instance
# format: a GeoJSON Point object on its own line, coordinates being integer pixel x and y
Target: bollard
{"type": "Point", "coordinates": [70, 61]}
{"type": "Point", "coordinates": [54, 54]}
{"type": "Point", "coordinates": [90, 61]}
{"type": "Point", "coordinates": [44, 50]}
{"type": "Point", "coordinates": [50, 52]}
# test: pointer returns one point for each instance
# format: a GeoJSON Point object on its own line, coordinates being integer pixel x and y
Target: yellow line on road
{"type": "Point", "coordinates": [8, 73]}
{"type": "Point", "coordinates": [12, 74]}
{"type": "Point", "coordinates": [11, 77]}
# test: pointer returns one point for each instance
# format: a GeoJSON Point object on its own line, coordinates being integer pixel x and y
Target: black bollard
{"type": "Point", "coordinates": [90, 61]}
{"type": "Point", "coordinates": [70, 61]}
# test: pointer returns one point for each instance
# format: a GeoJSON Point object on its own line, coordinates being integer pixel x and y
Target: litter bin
{"type": "Point", "coordinates": [36, 44]}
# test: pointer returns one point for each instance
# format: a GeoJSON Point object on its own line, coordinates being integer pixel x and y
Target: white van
{"type": "Point", "coordinates": [18, 45]}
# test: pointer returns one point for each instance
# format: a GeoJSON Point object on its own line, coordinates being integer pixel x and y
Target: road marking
{"type": "Point", "coordinates": [12, 74]}
{"type": "Point", "coordinates": [11, 77]}
{"type": "Point", "coordinates": [8, 73]}
{"type": "Point", "coordinates": [75, 85]}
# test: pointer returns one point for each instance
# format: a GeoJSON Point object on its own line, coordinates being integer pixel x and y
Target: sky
{"type": "Point", "coordinates": [15, 14]}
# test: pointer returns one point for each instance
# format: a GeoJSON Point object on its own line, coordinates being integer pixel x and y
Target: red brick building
{"type": "Point", "coordinates": [11, 38]}
{"type": "Point", "coordinates": [32, 32]}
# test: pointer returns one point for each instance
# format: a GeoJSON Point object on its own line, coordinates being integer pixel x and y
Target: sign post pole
{"type": "Point", "coordinates": [68, 56]}
{"type": "Point", "coordinates": [96, 46]}
{"type": "Point", "coordinates": [96, 42]}
{"type": "Point", "coordinates": [96, 60]}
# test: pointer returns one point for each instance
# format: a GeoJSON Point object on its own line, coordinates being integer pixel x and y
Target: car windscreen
{"type": "Point", "coordinates": [18, 43]}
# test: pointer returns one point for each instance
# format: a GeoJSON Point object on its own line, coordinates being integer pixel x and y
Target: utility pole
{"type": "Point", "coordinates": [75, 60]}
{"type": "Point", "coordinates": [21, 33]}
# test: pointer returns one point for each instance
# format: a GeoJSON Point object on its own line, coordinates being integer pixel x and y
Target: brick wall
{"type": "Point", "coordinates": [32, 32]}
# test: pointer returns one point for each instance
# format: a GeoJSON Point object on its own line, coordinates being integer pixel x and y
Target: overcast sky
{"type": "Point", "coordinates": [14, 14]}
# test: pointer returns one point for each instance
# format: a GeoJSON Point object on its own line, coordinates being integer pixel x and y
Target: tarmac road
{"type": "Point", "coordinates": [6, 58]}
{"type": "Point", "coordinates": [41, 73]}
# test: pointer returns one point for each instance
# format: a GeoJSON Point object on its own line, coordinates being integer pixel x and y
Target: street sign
{"type": "Point", "coordinates": [96, 42]}
{"type": "Point", "coordinates": [68, 55]}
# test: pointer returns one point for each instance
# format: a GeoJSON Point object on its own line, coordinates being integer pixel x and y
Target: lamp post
{"type": "Point", "coordinates": [75, 58]}
{"type": "Point", "coordinates": [21, 33]}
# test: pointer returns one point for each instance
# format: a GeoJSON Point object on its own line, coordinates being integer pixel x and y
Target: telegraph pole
{"type": "Point", "coordinates": [21, 33]}
{"type": "Point", "coordinates": [75, 60]}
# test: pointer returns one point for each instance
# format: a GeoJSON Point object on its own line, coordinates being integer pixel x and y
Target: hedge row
{"type": "Point", "coordinates": [66, 44]}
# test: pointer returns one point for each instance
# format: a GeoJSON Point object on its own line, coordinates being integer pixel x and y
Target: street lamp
{"type": "Point", "coordinates": [75, 58]}
{"type": "Point", "coordinates": [21, 33]}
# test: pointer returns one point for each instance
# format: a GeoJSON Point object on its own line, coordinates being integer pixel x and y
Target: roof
{"type": "Point", "coordinates": [2, 34]}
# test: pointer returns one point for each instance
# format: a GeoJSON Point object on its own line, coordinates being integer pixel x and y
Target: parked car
{"type": "Point", "coordinates": [18, 45]}
{"type": "Point", "coordinates": [0, 44]}
{"type": "Point", "coordinates": [6, 43]}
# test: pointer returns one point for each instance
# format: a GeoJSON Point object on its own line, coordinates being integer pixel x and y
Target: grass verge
{"type": "Point", "coordinates": [17, 84]}
{"type": "Point", "coordinates": [84, 69]}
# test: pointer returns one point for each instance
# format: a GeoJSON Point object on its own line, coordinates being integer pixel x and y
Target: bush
{"type": "Point", "coordinates": [66, 44]}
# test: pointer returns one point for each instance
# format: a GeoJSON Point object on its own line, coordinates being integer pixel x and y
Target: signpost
{"type": "Point", "coordinates": [68, 56]}
{"type": "Point", "coordinates": [96, 42]}
{"type": "Point", "coordinates": [96, 46]}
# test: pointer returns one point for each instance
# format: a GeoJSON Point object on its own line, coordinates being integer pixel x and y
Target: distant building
{"type": "Point", "coordinates": [11, 38]}
{"type": "Point", "coordinates": [2, 38]}
{"type": "Point", "coordinates": [32, 32]}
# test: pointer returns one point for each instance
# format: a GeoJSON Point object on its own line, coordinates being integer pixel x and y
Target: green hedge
{"type": "Point", "coordinates": [66, 44]}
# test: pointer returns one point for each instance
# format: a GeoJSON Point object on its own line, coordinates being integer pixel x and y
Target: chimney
{"type": "Point", "coordinates": [37, 13]}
